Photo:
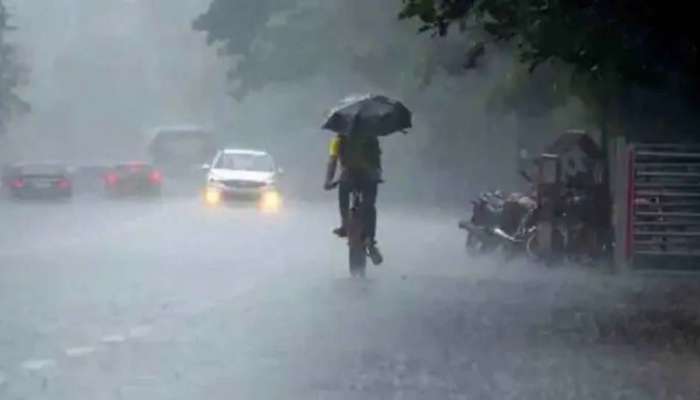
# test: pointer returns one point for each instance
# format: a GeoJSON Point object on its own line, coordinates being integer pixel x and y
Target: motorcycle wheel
{"type": "Point", "coordinates": [532, 248]}
{"type": "Point", "coordinates": [534, 252]}
{"type": "Point", "coordinates": [474, 245]}
{"type": "Point", "coordinates": [511, 251]}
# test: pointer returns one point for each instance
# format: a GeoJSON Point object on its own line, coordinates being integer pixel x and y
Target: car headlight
{"type": "Point", "coordinates": [270, 201]}
{"type": "Point", "coordinates": [212, 195]}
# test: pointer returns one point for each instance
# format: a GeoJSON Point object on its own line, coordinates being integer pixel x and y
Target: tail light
{"type": "Point", "coordinates": [18, 183]}
{"type": "Point", "coordinates": [63, 184]}
{"type": "Point", "coordinates": [111, 179]}
{"type": "Point", "coordinates": [155, 177]}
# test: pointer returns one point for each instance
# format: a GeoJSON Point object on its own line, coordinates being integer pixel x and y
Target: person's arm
{"type": "Point", "coordinates": [380, 169]}
{"type": "Point", "coordinates": [332, 165]}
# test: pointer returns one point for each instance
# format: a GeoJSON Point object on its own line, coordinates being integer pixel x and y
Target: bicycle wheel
{"type": "Point", "coordinates": [358, 261]}
{"type": "Point", "coordinates": [357, 248]}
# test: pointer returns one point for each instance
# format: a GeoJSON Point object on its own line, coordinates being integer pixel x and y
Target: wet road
{"type": "Point", "coordinates": [171, 300]}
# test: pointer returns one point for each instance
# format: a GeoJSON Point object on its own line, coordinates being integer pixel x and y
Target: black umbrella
{"type": "Point", "coordinates": [371, 114]}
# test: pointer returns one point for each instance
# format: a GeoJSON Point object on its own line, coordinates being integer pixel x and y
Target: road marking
{"type": "Point", "coordinates": [3, 379]}
{"type": "Point", "coordinates": [140, 331]}
{"type": "Point", "coordinates": [39, 364]}
{"type": "Point", "coordinates": [113, 339]}
{"type": "Point", "coordinates": [76, 352]}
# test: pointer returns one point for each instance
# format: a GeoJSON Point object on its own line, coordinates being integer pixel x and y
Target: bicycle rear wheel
{"type": "Point", "coordinates": [358, 261]}
{"type": "Point", "coordinates": [357, 247]}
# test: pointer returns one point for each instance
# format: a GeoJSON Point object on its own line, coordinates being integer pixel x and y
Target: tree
{"type": "Point", "coordinates": [275, 41]}
{"type": "Point", "coordinates": [12, 74]}
{"type": "Point", "coordinates": [360, 45]}
{"type": "Point", "coordinates": [609, 47]}
{"type": "Point", "coordinates": [614, 49]}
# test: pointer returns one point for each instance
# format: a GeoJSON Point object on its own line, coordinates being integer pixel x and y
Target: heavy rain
{"type": "Point", "coordinates": [335, 199]}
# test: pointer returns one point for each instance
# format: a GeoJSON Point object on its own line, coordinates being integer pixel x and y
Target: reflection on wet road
{"type": "Point", "coordinates": [171, 300]}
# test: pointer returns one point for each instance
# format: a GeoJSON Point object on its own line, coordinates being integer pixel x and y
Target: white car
{"type": "Point", "coordinates": [240, 175]}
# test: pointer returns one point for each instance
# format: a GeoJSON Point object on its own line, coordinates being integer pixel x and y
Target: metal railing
{"type": "Point", "coordinates": [664, 201]}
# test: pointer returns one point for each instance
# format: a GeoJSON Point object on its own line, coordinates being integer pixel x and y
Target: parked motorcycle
{"type": "Point", "coordinates": [499, 221]}
{"type": "Point", "coordinates": [571, 234]}
{"type": "Point", "coordinates": [485, 216]}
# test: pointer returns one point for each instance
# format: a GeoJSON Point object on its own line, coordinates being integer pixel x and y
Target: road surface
{"type": "Point", "coordinates": [172, 300]}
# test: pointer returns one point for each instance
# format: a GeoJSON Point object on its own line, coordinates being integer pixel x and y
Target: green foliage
{"type": "Point", "coordinates": [236, 23]}
{"type": "Point", "coordinates": [11, 74]}
{"type": "Point", "coordinates": [284, 41]}
{"type": "Point", "coordinates": [532, 93]}
{"type": "Point", "coordinates": [610, 45]}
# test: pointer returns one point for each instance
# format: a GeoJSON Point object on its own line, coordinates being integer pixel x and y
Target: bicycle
{"type": "Point", "coordinates": [358, 249]}
{"type": "Point", "coordinates": [357, 239]}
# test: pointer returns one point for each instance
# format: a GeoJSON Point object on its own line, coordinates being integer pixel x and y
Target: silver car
{"type": "Point", "coordinates": [245, 176]}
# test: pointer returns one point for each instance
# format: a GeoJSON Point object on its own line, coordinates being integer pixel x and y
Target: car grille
{"type": "Point", "coordinates": [238, 184]}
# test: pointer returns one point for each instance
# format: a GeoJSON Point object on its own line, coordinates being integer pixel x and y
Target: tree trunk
{"type": "Point", "coordinates": [606, 229]}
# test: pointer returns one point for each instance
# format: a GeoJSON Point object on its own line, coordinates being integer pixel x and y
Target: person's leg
{"type": "Point", "coordinates": [369, 193]}
{"type": "Point", "coordinates": [344, 207]}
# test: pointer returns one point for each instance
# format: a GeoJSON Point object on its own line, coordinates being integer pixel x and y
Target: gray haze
{"type": "Point", "coordinates": [103, 71]}
{"type": "Point", "coordinates": [167, 298]}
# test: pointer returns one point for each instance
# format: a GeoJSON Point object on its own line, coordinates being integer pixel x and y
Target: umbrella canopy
{"type": "Point", "coordinates": [368, 115]}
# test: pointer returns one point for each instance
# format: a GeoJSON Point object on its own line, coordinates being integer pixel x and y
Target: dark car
{"type": "Point", "coordinates": [38, 180]}
{"type": "Point", "coordinates": [134, 178]}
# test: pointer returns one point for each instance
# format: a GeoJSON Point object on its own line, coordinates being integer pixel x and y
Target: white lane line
{"type": "Point", "coordinates": [75, 352]}
{"type": "Point", "coordinates": [140, 331]}
{"type": "Point", "coordinates": [38, 364]}
{"type": "Point", "coordinates": [113, 339]}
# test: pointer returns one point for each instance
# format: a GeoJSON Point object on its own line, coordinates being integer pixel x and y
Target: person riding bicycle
{"type": "Point", "coordinates": [361, 169]}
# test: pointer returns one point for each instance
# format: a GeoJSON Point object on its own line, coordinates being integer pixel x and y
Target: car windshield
{"type": "Point", "coordinates": [246, 162]}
